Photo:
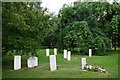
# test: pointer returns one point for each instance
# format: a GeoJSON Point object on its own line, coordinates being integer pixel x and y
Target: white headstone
{"type": "Point", "coordinates": [69, 56]}
{"type": "Point", "coordinates": [47, 52]}
{"type": "Point", "coordinates": [55, 51]}
{"type": "Point", "coordinates": [53, 63]}
{"type": "Point", "coordinates": [83, 61]}
{"type": "Point", "coordinates": [31, 62]}
{"type": "Point", "coordinates": [36, 61]}
{"type": "Point", "coordinates": [65, 54]}
{"type": "Point", "coordinates": [17, 62]}
{"type": "Point", "coordinates": [90, 52]}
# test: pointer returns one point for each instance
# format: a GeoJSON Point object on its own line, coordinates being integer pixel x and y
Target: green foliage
{"type": "Point", "coordinates": [77, 35]}
{"type": "Point", "coordinates": [50, 38]}
{"type": "Point", "coordinates": [87, 25]}
{"type": "Point", "coordinates": [27, 26]}
{"type": "Point", "coordinates": [23, 27]}
{"type": "Point", "coordinates": [101, 44]}
{"type": "Point", "coordinates": [114, 27]}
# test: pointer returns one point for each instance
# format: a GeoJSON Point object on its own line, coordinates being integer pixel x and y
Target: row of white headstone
{"type": "Point", "coordinates": [67, 55]}
{"type": "Point", "coordinates": [48, 52]}
{"type": "Point", "coordinates": [52, 59]}
{"type": "Point", "coordinates": [31, 62]}
{"type": "Point", "coordinates": [53, 65]}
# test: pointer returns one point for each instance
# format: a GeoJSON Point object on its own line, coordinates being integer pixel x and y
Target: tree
{"type": "Point", "coordinates": [50, 39]}
{"type": "Point", "coordinates": [23, 27]}
{"type": "Point", "coordinates": [94, 15]}
{"type": "Point", "coordinates": [77, 35]}
{"type": "Point", "coordinates": [114, 26]}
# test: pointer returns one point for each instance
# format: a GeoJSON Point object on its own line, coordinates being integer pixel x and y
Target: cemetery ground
{"type": "Point", "coordinates": [65, 69]}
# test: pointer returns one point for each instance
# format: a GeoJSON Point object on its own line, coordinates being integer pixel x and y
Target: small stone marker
{"type": "Point", "coordinates": [31, 62]}
{"type": "Point", "coordinates": [47, 52]}
{"type": "Point", "coordinates": [55, 51]}
{"type": "Point", "coordinates": [36, 61]}
{"type": "Point", "coordinates": [17, 62]}
{"type": "Point", "coordinates": [69, 56]}
{"type": "Point", "coordinates": [90, 52]}
{"type": "Point", "coordinates": [83, 61]}
{"type": "Point", "coordinates": [53, 62]}
{"type": "Point", "coordinates": [65, 54]}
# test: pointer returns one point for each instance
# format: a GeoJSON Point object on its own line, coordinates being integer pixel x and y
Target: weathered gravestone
{"type": "Point", "coordinates": [69, 56]}
{"type": "Point", "coordinates": [83, 61]}
{"type": "Point", "coordinates": [17, 62]}
{"type": "Point", "coordinates": [90, 52]}
{"type": "Point", "coordinates": [53, 62]}
{"type": "Point", "coordinates": [32, 62]}
{"type": "Point", "coordinates": [65, 54]}
{"type": "Point", "coordinates": [47, 52]}
{"type": "Point", "coordinates": [55, 51]}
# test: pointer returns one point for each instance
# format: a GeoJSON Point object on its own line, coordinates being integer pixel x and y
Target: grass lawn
{"type": "Point", "coordinates": [66, 69]}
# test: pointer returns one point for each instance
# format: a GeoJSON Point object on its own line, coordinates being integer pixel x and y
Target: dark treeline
{"type": "Point", "coordinates": [27, 27]}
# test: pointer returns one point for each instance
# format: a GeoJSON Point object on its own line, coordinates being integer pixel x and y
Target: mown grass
{"type": "Point", "coordinates": [65, 69]}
